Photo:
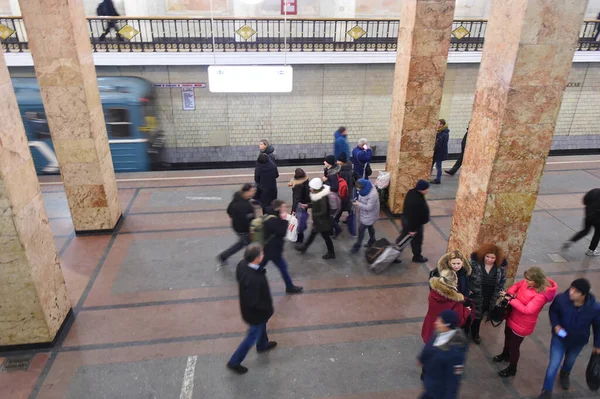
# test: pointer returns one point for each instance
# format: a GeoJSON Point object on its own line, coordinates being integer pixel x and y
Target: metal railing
{"type": "Point", "coordinates": [260, 35]}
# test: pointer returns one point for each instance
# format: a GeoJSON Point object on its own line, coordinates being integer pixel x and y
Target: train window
{"type": "Point", "coordinates": [38, 124]}
{"type": "Point", "coordinates": [118, 122]}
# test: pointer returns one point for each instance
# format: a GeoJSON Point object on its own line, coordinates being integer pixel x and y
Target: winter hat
{"type": "Point", "coordinates": [342, 158]}
{"type": "Point", "coordinates": [330, 159]}
{"type": "Point", "coordinates": [316, 184]}
{"type": "Point", "coordinates": [422, 185]}
{"type": "Point", "coordinates": [582, 285]}
{"type": "Point", "coordinates": [450, 318]}
{"type": "Point", "coordinates": [449, 278]}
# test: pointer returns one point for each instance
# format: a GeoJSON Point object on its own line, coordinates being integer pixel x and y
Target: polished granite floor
{"type": "Point", "coordinates": [156, 318]}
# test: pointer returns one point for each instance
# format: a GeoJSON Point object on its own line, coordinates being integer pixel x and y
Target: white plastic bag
{"type": "Point", "coordinates": [292, 231]}
{"type": "Point", "coordinates": [383, 180]}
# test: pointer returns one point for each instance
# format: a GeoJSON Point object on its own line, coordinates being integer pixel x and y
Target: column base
{"type": "Point", "coordinates": [63, 330]}
{"type": "Point", "coordinates": [100, 232]}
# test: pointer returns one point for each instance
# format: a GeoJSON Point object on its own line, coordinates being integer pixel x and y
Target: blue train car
{"type": "Point", "coordinates": [136, 143]}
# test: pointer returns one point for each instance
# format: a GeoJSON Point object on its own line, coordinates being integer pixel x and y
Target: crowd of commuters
{"type": "Point", "coordinates": [463, 291]}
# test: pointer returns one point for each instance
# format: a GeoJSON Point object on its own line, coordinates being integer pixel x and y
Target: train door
{"type": "Point", "coordinates": [40, 142]}
{"type": "Point", "coordinates": [128, 146]}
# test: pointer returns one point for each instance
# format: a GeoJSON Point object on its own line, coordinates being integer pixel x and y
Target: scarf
{"type": "Point", "coordinates": [366, 187]}
{"type": "Point", "coordinates": [441, 129]}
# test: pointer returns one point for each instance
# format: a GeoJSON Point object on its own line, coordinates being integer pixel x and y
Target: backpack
{"type": "Point", "coordinates": [335, 203]}
{"type": "Point", "coordinates": [257, 229]}
{"type": "Point", "coordinates": [342, 187]}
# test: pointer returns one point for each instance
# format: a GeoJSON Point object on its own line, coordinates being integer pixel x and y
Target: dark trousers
{"type": "Point", "coordinates": [361, 235]}
{"type": "Point", "coordinates": [417, 242]}
{"type": "Point", "coordinates": [326, 236]}
{"type": "Point", "coordinates": [242, 242]}
{"type": "Point", "coordinates": [588, 224]}
{"type": "Point", "coordinates": [283, 268]}
{"type": "Point", "coordinates": [111, 25]}
{"type": "Point", "coordinates": [458, 163]}
{"type": "Point", "coordinates": [476, 325]}
{"type": "Point", "coordinates": [512, 346]}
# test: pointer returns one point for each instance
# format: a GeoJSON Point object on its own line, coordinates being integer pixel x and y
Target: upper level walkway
{"type": "Point", "coordinates": [156, 318]}
{"type": "Point", "coordinates": [202, 41]}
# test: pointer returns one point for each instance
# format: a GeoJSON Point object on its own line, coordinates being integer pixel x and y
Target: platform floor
{"type": "Point", "coordinates": [156, 318]}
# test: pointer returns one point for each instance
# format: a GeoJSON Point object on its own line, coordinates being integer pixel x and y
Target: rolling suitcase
{"type": "Point", "coordinates": [383, 253]}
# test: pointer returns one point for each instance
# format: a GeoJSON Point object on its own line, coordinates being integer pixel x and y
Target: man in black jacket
{"type": "Point", "coordinates": [591, 200]}
{"type": "Point", "coordinates": [256, 305]}
{"type": "Point", "coordinates": [275, 230]}
{"type": "Point", "coordinates": [459, 161]}
{"type": "Point", "coordinates": [414, 216]}
{"type": "Point", "coordinates": [107, 9]}
{"type": "Point", "coordinates": [241, 212]}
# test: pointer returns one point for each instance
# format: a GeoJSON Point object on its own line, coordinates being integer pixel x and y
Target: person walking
{"type": "Point", "coordinates": [330, 178]}
{"type": "Point", "coordinates": [341, 145]}
{"type": "Point", "coordinates": [347, 173]}
{"type": "Point", "coordinates": [440, 151]}
{"type": "Point", "coordinates": [322, 223]}
{"type": "Point", "coordinates": [256, 305]}
{"type": "Point", "coordinates": [265, 176]}
{"type": "Point", "coordinates": [107, 9]}
{"type": "Point", "coordinates": [275, 230]}
{"type": "Point", "coordinates": [415, 215]}
{"type": "Point", "coordinates": [444, 295]}
{"type": "Point", "coordinates": [300, 195]}
{"type": "Point", "coordinates": [368, 205]}
{"type": "Point", "coordinates": [265, 148]}
{"type": "Point", "coordinates": [487, 283]}
{"type": "Point", "coordinates": [361, 156]}
{"type": "Point", "coordinates": [571, 315]}
{"type": "Point", "coordinates": [527, 298]}
{"type": "Point", "coordinates": [459, 161]}
{"type": "Point", "coordinates": [241, 212]}
{"type": "Point", "coordinates": [591, 200]}
{"type": "Point", "coordinates": [443, 358]}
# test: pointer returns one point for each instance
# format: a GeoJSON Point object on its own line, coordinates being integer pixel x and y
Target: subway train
{"type": "Point", "coordinates": [135, 139]}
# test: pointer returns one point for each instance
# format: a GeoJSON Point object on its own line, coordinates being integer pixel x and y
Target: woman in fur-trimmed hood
{"type": "Point", "coordinates": [458, 263]}
{"type": "Point", "coordinates": [442, 296]}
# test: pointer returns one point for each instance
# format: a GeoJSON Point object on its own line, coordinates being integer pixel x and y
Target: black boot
{"type": "Point", "coordinates": [503, 357]}
{"type": "Point", "coordinates": [565, 379]}
{"type": "Point", "coordinates": [329, 255]}
{"type": "Point", "coordinates": [509, 371]}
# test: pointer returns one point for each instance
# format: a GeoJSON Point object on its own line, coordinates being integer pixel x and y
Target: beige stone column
{"type": "Point", "coordinates": [59, 40]}
{"type": "Point", "coordinates": [529, 47]}
{"type": "Point", "coordinates": [33, 296]}
{"type": "Point", "coordinates": [423, 42]}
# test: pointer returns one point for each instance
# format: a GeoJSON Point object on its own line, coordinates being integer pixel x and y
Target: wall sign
{"type": "Point", "coordinates": [189, 99]}
{"type": "Point", "coordinates": [574, 84]}
{"type": "Point", "coordinates": [177, 85]}
{"type": "Point", "coordinates": [250, 79]}
{"type": "Point", "coordinates": [290, 5]}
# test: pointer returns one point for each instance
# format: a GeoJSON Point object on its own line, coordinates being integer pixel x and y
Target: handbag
{"type": "Point", "coordinates": [302, 216]}
{"type": "Point", "coordinates": [592, 373]}
{"type": "Point", "coordinates": [368, 170]}
{"type": "Point", "coordinates": [500, 312]}
{"type": "Point", "coordinates": [292, 231]}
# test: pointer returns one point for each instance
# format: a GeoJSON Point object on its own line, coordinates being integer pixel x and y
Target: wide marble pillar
{"type": "Point", "coordinates": [33, 296]}
{"type": "Point", "coordinates": [529, 47]}
{"type": "Point", "coordinates": [423, 41]}
{"type": "Point", "coordinates": [59, 41]}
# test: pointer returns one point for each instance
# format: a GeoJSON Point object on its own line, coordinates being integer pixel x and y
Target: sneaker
{"type": "Point", "coordinates": [238, 369]}
{"type": "Point", "coordinates": [565, 380]}
{"type": "Point", "coordinates": [270, 345]}
{"type": "Point", "coordinates": [545, 395]}
{"type": "Point", "coordinates": [435, 181]}
{"type": "Point", "coordinates": [593, 253]}
{"type": "Point", "coordinates": [329, 255]}
{"type": "Point", "coordinates": [419, 259]}
{"type": "Point", "coordinates": [294, 289]}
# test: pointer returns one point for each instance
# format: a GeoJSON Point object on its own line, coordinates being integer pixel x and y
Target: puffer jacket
{"type": "Point", "coordinates": [300, 192]}
{"type": "Point", "coordinates": [320, 210]}
{"type": "Point", "coordinates": [347, 173]}
{"type": "Point", "coordinates": [368, 203]}
{"type": "Point", "coordinates": [476, 280]}
{"type": "Point", "coordinates": [464, 287]}
{"type": "Point", "coordinates": [332, 178]}
{"type": "Point", "coordinates": [442, 297]}
{"type": "Point", "coordinates": [527, 305]}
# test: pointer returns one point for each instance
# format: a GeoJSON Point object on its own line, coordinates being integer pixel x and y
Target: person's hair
{"type": "Point", "coordinates": [341, 129]}
{"type": "Point", "coordinates": [537, 275]}
{"type": "Point", "coordinates": [359, 186]}
{"type": "Point", "coordinates": [276, 204]}
{"type": "Point", "coordinates": [265, 142]}
{"type": "Point", "coordinates": [443, 121]}
{"type": "Point", "coordinates": [252, 252]}
{"type": "Point", "coordinates": [263, 158]}
{"type": "Point", "coordinates": [485, 249]}
{"type": "Point", "coordinates": [299, 173]}
{"type": "Point", "coordinates": [448, 277]}
{"type": "Point", "coordinates": [247, 187]}
{"type": "Point", "coordinates": [362, 142]}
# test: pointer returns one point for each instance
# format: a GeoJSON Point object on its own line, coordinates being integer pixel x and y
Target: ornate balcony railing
{"type": "Point", "coordinates": [260, 35]}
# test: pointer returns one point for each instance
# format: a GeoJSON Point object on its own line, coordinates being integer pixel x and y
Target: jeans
{"type": "Point", "coordinates": [256, 334]}
{"type": "Point", "coordinates": [242, 242]}
{"type": "Point", "coordinates": [512, 345]}
{"type": "Point", "coordinates": [337, 230]}
{"type": "Point", "coordinates": [438, 168]}
{"type": "Point", "coordinates": [283, 268]}
{"type": "Point", "coordinates": [588, 224]}
{"type": "Point", "coordinates": [558, 350]}
{"type": "Point", "coordinates": [326, 237]}
{"type": "Point", "coordinates": [361, 236]}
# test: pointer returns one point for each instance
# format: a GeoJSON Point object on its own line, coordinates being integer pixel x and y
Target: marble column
{"type": "Point", "coordinates": [423, 41]}
{"type": "Point", "coordinates": [33, 296]}
{"type": "Point", "coordinates": [59, 41]}
{"type": "Point", "coordinates": [529, 47]}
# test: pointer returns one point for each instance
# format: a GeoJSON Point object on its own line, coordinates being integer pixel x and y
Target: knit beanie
{"type": "Point", "coordinates": [330, 159]}
{"type": "Point", "coordinates": [422, 185]}
{"type": "Point", "coordinates": [342, 158]}
{"type": "Point", "coordinates": [450, 318]}
{"type": "Point", "coordinates": [582, 285]}
{"type": "Point", "coordinates": [315, 184]}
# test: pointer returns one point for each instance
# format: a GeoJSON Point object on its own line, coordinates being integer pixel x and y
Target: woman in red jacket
{"type": "Point", "coordinates": [528, 298]}
{"type": "Point", "coordinates": [442, 296]}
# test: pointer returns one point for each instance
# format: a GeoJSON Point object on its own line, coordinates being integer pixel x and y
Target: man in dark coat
{"type": "Point", "coordinates": [591, 200]}
{"type": "Point", "coordinates": [440, 151]}
{"type": "Point", "coordinates": [572, 314]}
{"type": "Point", "coordinates": [265, 177]}
{"type": "Point", "coordinates": [443, 358]}
{"type": "Point", "coordinates": [107, 9]}
{"type": "Point", "coordinates": [275, 229]}
{"type": "Point", "coordinates": [256, 305]}
{"type": "Point", "coordinates": [241, 212]}
{"type": "Point", "coordinates": [414, 216]}
{"type": "Point", "coordinates": [459, 161]}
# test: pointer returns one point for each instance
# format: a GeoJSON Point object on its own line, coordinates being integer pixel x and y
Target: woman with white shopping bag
{"type": "Point", "coordinates": [292, 231]}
